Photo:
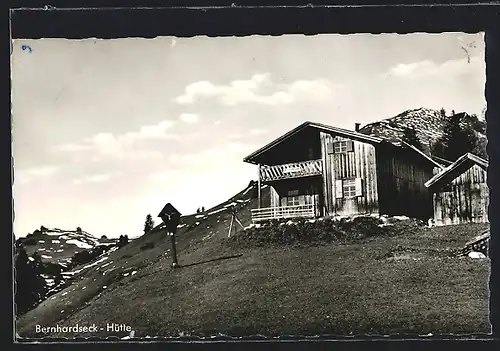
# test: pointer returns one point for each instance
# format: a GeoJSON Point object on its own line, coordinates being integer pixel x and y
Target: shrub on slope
{"type": "Point", "coordinates": [317, 232]}
{"type": "Point", "coordinates": [89, 255]}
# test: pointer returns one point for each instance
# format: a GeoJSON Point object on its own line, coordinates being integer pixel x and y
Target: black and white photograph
{"type": "Point", "coordinates": [293, 185]}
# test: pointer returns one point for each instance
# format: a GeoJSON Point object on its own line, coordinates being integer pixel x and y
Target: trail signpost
{"type": "Point", "coordinates": [171, 217]}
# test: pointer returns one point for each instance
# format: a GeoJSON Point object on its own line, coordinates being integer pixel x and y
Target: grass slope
{"type": "Point", "coordinates": [133, 261]}
{"type": "Point", "coordinates": [406, 283]}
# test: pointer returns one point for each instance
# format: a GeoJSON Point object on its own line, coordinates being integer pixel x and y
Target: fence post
{"type": "Point", "coordinates": [259, 185]}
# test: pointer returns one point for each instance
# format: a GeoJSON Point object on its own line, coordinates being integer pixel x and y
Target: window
{"type": "Point", "coordinates": [292, 198]}
{"type": "Point", "coordinates": [343, 146]}
{"type": "Point", "coordinates": [349, 188]}
{"type": "Point", "coordinates": [292, 201]}
{"type": "Point", "coordinates": [340, 146]}
{"type": "Point", "coordinates": [447, 188]}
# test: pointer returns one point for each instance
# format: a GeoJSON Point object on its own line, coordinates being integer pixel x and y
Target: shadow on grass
{"type": "Point", "coordinates": [208, 261]}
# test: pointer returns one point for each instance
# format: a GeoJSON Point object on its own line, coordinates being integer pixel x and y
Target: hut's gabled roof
{"type": "Point", "coordinates": [460, 165]}
{"type": "Point", "coordinates": [321, 127]}
{"type": "Point", "coordinates": [253, 157]}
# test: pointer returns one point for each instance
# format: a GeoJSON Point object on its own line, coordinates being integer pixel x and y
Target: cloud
{"type": "Point", "coordinates": [189, 118]}
{"type": "Point", "coordinates": [153, 131]}
{"type": "Point", "coordinates": [427, 68]}
{"type": "Point", "coordinates": [27, 175]}
{"type": "Point", "coordinates": [245, 91]}
{"type": "Point", "coordinates": [407, 69]}
{"type": "Point", "coordinates": [97, 178]}
{"type": "Point", "coordinates": [123, 145]}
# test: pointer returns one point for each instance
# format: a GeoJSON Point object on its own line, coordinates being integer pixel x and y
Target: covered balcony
{"type": "Point", "coordinates": [291, 170]}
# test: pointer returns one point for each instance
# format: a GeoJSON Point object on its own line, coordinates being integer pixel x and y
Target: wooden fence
{"type": "Point", "coordinates": [282, 212]}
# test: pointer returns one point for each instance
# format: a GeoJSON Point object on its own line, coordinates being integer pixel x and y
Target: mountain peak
{"type": "Point", "coordinates": [59, 245]}
{"type": "Point", "coordinates": [427, 123]}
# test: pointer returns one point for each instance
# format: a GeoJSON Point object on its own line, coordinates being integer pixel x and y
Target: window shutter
{"type": "Point", "coordinates": [329, 148]}
{"type": "Point", "coordinates": [339, 190]}
{"type": "Point", "coordinates": [302, 200]}
{"type": "Point", "coordinates": [359, 187]}
{"type": "Point", "coordinates": [307, 199]}
{"type": "Point", "coordinates": [350, 145]}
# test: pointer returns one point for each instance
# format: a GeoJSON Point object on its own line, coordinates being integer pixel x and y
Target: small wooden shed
{"type": "Point", "coordinates": [460, 193]}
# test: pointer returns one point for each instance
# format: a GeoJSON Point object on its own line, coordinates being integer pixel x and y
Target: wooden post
{"type": "Point", "coordinates": [174, 250]}
{"type": "Point", "coordinates": [325, 205]}
{"type": "Point", "coordinates": [238, 221]}
{"type": "Point", "coordinates": [170, 228]}
{"type": "Point", "coordinates": [259, 185]}
{"type": "Point", "coordinates": [313, 198]}
{"type": "Point", "coordinates": [231, 226]}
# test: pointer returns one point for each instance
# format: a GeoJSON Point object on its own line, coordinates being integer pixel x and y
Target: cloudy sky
{"type": "Point", "coordinates": [107, 131]}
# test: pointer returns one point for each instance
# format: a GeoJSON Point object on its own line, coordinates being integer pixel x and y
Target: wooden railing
{"type": "Point", "coordinates": [291, 170]}
{"type": "Point", "coordinates": [263, 214]}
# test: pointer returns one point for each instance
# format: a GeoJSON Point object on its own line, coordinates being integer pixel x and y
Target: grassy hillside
{"type": "Point", "coordinates": [408, 282]}
{"type": "Point", "coordinates": [86, 283]}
